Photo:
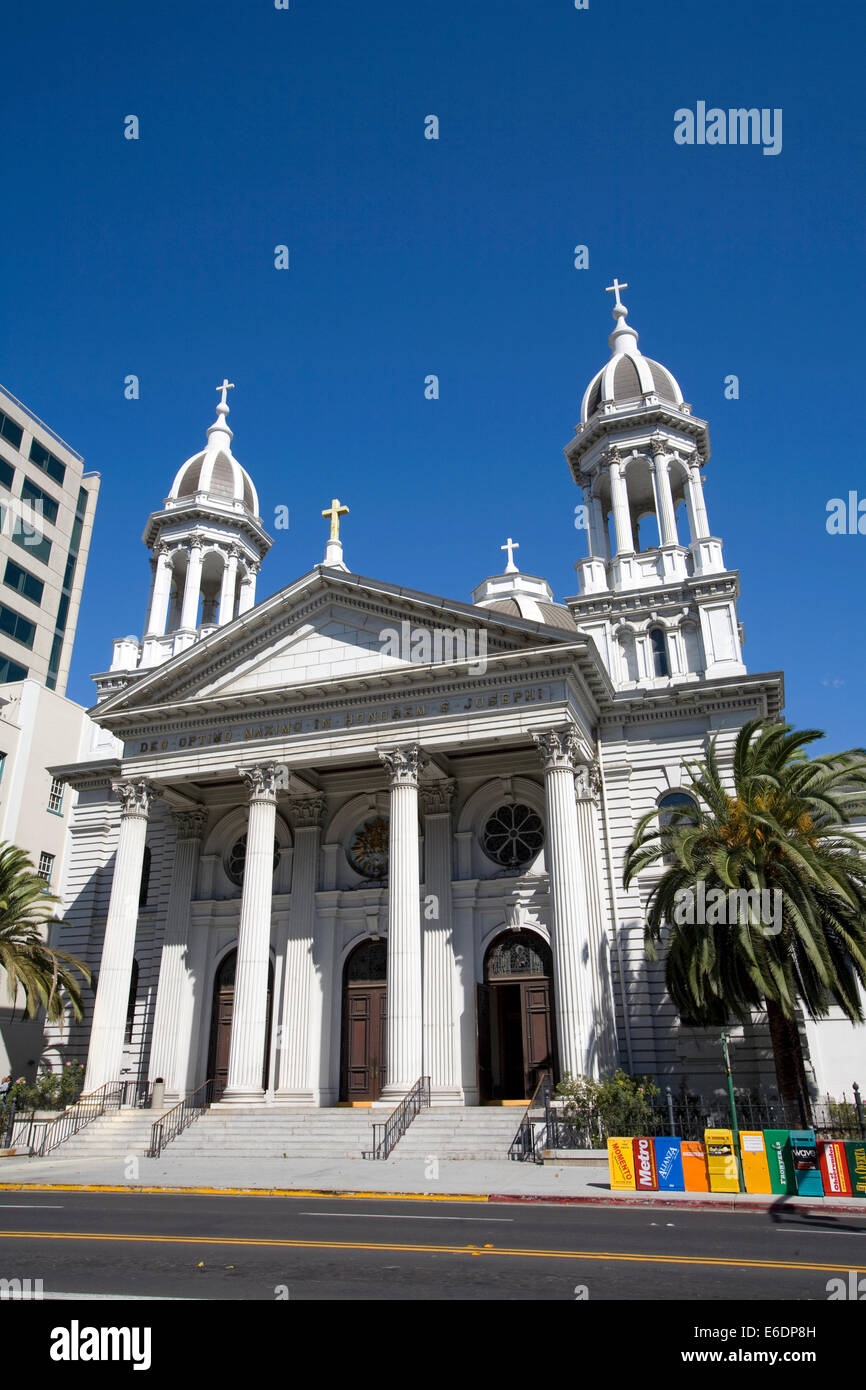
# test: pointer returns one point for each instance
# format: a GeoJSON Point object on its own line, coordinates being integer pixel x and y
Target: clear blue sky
{"type": "Point", "coordinates": [453, 257]}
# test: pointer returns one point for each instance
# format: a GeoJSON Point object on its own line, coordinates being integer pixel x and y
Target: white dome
{"type": "Point", "coordinates": [628, 376]}
{"type": "Point", "coordinates": [215, 471]}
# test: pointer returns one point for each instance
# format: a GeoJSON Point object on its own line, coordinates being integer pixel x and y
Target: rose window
{"type": "Point", "coordinates": [513, 835]}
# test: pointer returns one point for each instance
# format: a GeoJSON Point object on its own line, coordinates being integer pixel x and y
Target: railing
{"type": "Point", "coordinates": [528, 1140]}
{"type": "Point", "coordinates": [136, 1095]}
{"type": "Point", "coordinates": [175, 1120]}
{"type": "Point", "coordinates": [387, 1134]}
{"type": "Point", "coordinates": [85, 1109]}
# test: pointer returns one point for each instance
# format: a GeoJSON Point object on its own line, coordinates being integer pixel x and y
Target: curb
{"type": "Point", "coordinates": [530, 1198]}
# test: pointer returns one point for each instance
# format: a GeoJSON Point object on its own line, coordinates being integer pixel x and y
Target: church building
{"type": "Point", "coordinates": [352, 834]}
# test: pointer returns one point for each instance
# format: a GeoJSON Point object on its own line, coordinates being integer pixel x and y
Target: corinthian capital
{"type": "Point", "coordinates": [587, 782]}
{"type": "Point", "coordinates": [404, 764]}
{"type": "Point", "coordinates": [436, 797]}
{"type": "Point", "coordinates": [261, 780]}
{"type": "Point", "coordinates": [135, 796]}
{"type": "Point", "coordinates": [559, 748]}
{"type": "Point", "coordinates": [306, 812]}
{"type": "Point", "coordinates": [190, 824]}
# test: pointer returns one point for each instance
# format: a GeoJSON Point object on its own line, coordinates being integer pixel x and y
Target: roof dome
{"type": "Point", "coordinates": [628, 376]}
{"type": "Point", "coordinates": [215, 471]}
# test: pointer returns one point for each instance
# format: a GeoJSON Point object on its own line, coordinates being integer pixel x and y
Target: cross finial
{"type": "Point", "coordinates": [615, 289]}
{"type": "Point", "coordinates": [335, 511]}
{"type": "Point", "coordinates": [510, 546]}
{"type": "Point", "coordinates": [226, 386]}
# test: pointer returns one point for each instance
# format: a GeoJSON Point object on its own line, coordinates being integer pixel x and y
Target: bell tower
{"type": "Point", "coordinates": [207, 543]}
{"type": "Point", "coordinates": [655, 595]}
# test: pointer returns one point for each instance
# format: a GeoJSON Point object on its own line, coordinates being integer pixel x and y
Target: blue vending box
{"type": "Point", "coordinates": [669, 1162]}
{"type": "Point", "coordinates": [807, 1170]}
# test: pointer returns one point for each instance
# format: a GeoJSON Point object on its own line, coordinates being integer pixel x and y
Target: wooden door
{"type": "Point", "coordinates": [482, 1018]}
{"type": "Point", "coordinates": [537, 1033]}
{"type": "Point", "coordinates": [364, 1034]}
{"type": "Point", "coordinates": [221, 1040]}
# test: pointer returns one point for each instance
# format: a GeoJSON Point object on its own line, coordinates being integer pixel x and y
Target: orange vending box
{"type": "Point", "coordinates": [695, 1167]}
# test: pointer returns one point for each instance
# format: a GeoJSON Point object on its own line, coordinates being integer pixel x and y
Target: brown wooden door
{"type": "Point", "coordinates": [222, 1038]}
{"type": "Point", "coordinates": [364, 1034]}
{"type": "Point", "coordinates": [482, 1016]}
{"type": "Point", "coordinates": [537, 1033]}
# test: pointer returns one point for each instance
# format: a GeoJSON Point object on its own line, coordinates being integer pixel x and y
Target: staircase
{"type": "Point", "coordinates": [113, 1135]}
{"type": "Point", "coordinates": [258, 1131]}
{"type": "Point", "coordinates": [475, 1131]}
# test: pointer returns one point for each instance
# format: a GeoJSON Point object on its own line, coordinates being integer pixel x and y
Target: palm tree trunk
{"type": "Point", "coordinates": [788, 1058]}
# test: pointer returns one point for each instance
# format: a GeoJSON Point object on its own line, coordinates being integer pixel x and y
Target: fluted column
{"type": "Point", "coordinates": [404, 1025]}
{"type": "Point", "coordinates": [441, 1060]}
{"type": "Point", "coordinates": [621, 517]}
{"type": "Point", "coordinates": [665, 513]}
{"type": "Point", "coordinates": [587, 784]}
{"type": "Point", "coordinates": [115, 967]}
{"type": "Point", "coordinates": [248, 590]}
{"type": "Point", "coordinates": [161, 593]}
{"type": "Point", "coordinates": [172, 1041]}
{"type": "Point", "coordinates": [570, 937]}
{"type": "Point", "coordinates": [192, 587]}
{"type": "Point", "coordinates": [250, 1013]}
{"type": "Point", "coordinates": [227, 590]}
{"type": "Point", "coordinates": [699, 525]}
{"type": "Point", "coordinates": [296, 1081]}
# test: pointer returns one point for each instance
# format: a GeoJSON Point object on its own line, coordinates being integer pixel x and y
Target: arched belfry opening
{"type": "Point", "coordinates": [516, 1037]}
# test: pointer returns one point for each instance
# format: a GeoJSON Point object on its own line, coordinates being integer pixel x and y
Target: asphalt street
{"type": "Point", "coordinates": [206, 1247]}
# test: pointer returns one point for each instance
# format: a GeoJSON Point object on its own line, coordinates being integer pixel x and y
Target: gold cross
{"type": "Point", "coordinates": [226, 386]}
{"type": "Point", "coordinates": [615, 289]}
{"type": "Point", "coordinates": [335, 511]}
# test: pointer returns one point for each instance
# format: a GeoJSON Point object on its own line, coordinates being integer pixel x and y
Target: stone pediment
{"type": "Point", "coordinates": [328, 628]}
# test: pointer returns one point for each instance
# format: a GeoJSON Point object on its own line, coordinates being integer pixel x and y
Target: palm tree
{"type": "Point", "coordinates": [780, 827]}
{"type": "Point", "coordinates": [47, 977]}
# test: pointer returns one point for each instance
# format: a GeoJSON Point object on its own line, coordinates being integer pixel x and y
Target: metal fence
{"type": "Point", "coordinates": [686, 1115]}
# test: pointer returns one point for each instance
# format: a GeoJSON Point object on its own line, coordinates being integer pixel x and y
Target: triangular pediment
{"type": "Point", "coordinates": [329, 628]}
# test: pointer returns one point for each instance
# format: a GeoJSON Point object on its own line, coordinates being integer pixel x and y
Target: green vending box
{"type": "Point", "coordinates": [855, 1152]}
{"type": "Point", "coordinates": [781, 1164]}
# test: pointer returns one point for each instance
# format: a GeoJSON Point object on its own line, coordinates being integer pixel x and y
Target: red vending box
{"type": "Point", "coordinates": [646, 1178]}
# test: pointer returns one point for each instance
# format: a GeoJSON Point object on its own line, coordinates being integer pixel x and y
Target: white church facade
{"type": "Point", "coordinates": [352, 834]}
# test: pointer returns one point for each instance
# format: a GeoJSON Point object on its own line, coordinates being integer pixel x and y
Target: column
{"type": "Point", "coordinates": [619, 500]}
{"type": "Point", "coordinates": [248, 590]}
{"type": "Point", "coordinates": [570, 937]}
{"type": "Point", "coordinates": [172, 1039]}
{"type": "Point", "coordinates": [441, 1060]}
{"type": "Point", "coordinates": [587, 788]}
{"type": "Point", "coordinates": [295, 1055]}
{"type": "Point", "coordinates": [698, 522]}
{"type": "Point", "coordinates": [598, 529]}
{"type": "Point", "coordinates": [161, 593]}
{"type": "Point", "coordinates": [107, 1031]}
{"type": "Point", "coordinates": [250, 1016]}
{"type": "Point", "coordinates": [664, 498]}
{"type": "Point", "coordinates": [227, 591]}
{"type": "Point", "coordinates": [189, 612]}
{"type": "Point", "coordinates": [404, 1027]}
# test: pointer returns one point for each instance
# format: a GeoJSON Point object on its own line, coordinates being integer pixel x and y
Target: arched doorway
{"type": "Point", "coordinates": [221, 1023]}
{"type": "Point", "coordinates": [516, 1040]}
{"type": "Point", "coordinates": [363, 1037]}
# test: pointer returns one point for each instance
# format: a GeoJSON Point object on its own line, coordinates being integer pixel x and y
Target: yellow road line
{"type": "Point", "coordinates": [322, 1192]}
{"type": "Point", "coordinates": [391, 1246]}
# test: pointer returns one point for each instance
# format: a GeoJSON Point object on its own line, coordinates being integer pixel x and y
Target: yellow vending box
{"type": "Point", "coordinates": [721, 1160]}
{"type": "Point", "coordinates": [756, 1169]}
{"type": "Point", "coordinates": [620, 1156]}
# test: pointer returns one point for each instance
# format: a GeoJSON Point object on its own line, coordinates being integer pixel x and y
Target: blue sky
{"type": "Point", "coordinates": [409, 256]}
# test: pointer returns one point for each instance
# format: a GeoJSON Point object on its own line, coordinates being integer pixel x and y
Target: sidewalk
{"type": "Point", "coordinates": [457, 1180]}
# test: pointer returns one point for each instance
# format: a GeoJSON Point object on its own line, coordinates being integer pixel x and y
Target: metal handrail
{"type": "Point", "coordinates": [388, 1132]}
{"type": "Point", "coordinates": [524, 1145]}
{"type": "Point", "coordinates": [86, 1108]}
{"type": "Point", "coordinates": [175, 1120]}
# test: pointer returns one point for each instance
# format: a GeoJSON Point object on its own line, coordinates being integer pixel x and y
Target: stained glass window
{"type": "Point", "coordinates": [368, 850]}
{"type": "Point", "coordinates": [513, 835]}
